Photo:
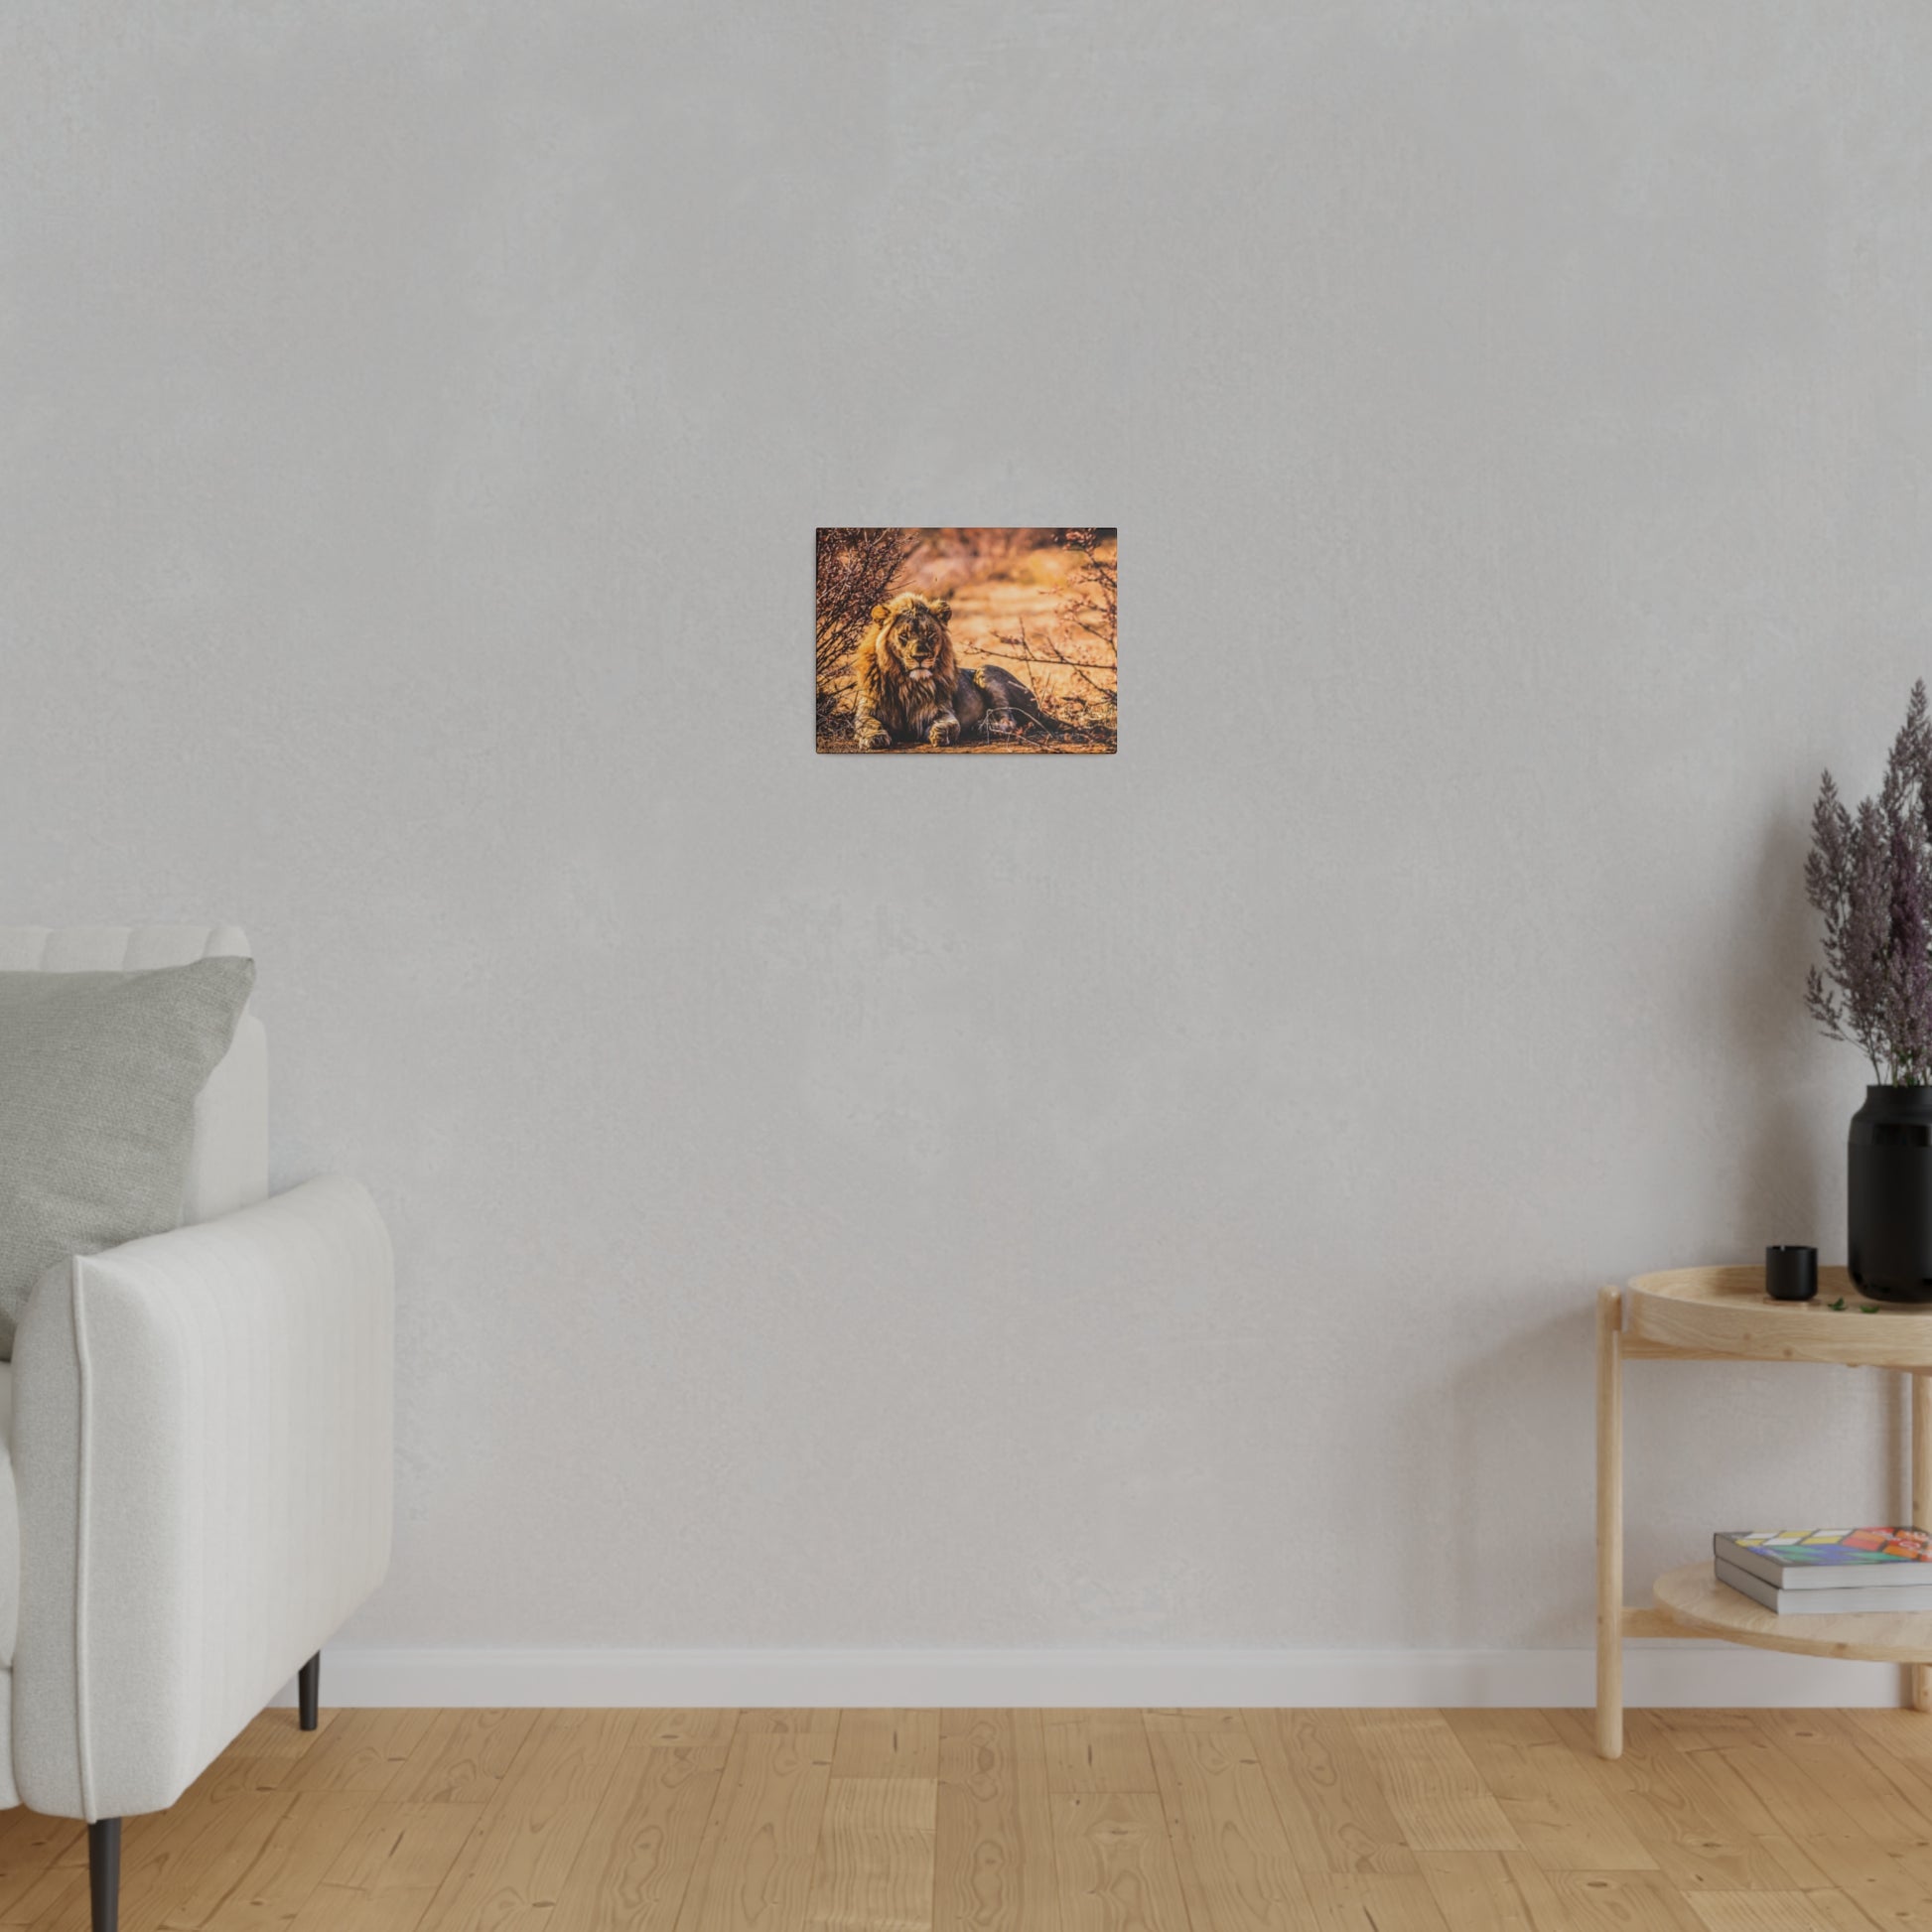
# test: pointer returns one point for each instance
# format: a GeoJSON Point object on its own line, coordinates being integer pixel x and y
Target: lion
{"type": "Point", "coordinates": [912, 689]}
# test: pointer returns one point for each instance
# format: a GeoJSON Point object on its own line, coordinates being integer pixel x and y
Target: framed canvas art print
{"type": "Point", "coordinates": [967, 640]}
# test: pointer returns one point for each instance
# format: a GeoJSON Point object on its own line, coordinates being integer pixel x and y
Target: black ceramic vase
{"type": "Point", "coordinates": [1890, 1194]}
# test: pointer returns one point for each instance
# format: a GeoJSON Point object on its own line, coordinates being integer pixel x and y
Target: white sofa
{"type": "Point", "coordinates": [198, 1454]}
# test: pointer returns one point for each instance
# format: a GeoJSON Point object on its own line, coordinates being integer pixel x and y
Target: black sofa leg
{"type": "Point", "coordinates": [307, 1690]}
{"type": "Point", "coordinates": [105, 1836]}
{"type": "Point", "coordinates": [105, 1872]}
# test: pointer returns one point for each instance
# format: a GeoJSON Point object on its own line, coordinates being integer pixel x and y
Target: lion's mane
{"type": "Point", "coordinates": [905, 706]}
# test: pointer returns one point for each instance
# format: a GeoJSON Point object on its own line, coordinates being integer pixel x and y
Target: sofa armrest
{"type": "Point", "coordinates": [202, 1448]}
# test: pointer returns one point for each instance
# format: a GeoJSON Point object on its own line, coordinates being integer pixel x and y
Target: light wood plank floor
{"type": "Point", "coordinates": [1023, 1820]}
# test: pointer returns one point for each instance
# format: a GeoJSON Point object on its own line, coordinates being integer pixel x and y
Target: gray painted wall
{"type": "Point", "coordinates": [1152, 1200]}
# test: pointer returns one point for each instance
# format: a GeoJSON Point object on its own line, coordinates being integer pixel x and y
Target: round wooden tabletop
{"type": "Point", "coordinates": [1726, 1311]}
{"type": "Point", "coordinates": [1695, 1598]}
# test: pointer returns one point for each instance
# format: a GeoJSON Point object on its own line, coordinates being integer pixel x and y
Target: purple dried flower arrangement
{"type": "Point", "coordinates": [1869, 875]}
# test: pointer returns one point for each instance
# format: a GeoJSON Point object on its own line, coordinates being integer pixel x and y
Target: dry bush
{"type": "Point", "coordinates": [856, 568]}
{"type": "Point", "coordinates": [1088, 706]}
{"type": "Point", "coordinates": [1092, 605]}
{"type": "Point", "coordinates": [1083, 706]}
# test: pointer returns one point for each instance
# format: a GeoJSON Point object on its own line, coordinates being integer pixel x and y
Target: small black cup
{"type": "Point", "coordinates": [1791, 1274]}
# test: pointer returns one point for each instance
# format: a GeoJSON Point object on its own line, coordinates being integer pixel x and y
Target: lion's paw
{"type": "Point", "coordinates": [945, 732]}
{"type": "Point", "coordinates": [874, 738]}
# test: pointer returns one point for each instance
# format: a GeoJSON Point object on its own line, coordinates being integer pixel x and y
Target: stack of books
{"type": "Point", "coordinates": [1827, 1573]}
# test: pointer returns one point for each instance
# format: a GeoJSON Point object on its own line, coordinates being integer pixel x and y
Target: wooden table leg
{"type": "Point", "coordinates": [1609, 1522]}
{"type": "Point", "coordinates": [1921, 1674]}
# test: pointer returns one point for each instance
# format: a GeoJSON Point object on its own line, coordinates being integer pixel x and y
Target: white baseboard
{"type": "Point", "coordinates": [1655, 1674]}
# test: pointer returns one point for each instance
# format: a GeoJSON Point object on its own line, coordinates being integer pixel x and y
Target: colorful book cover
{"type": "Point", "coordinates": [1823, 1549]}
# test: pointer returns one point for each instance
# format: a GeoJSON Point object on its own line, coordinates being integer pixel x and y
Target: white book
{"type": "Point", "coordinates": [1894, 1598]}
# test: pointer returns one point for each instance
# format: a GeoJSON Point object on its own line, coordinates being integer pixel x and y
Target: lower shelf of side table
{"type": "Point", "coordinates": [1693, 1599]}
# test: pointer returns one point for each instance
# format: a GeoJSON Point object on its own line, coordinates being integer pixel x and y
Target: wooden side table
{"type": "Point", "coordinates": [1708, 1314]}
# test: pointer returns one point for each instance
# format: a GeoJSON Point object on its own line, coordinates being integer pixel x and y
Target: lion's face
{"type": "Point", "coordinates": [914, 630]}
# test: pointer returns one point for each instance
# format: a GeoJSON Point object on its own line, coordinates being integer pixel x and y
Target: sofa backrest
{"type": "Point", "coordinates": [229, 1167]}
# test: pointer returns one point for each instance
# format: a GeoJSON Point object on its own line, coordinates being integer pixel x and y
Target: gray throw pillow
{"type": "Point", "coordinates": [98, 1075]}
